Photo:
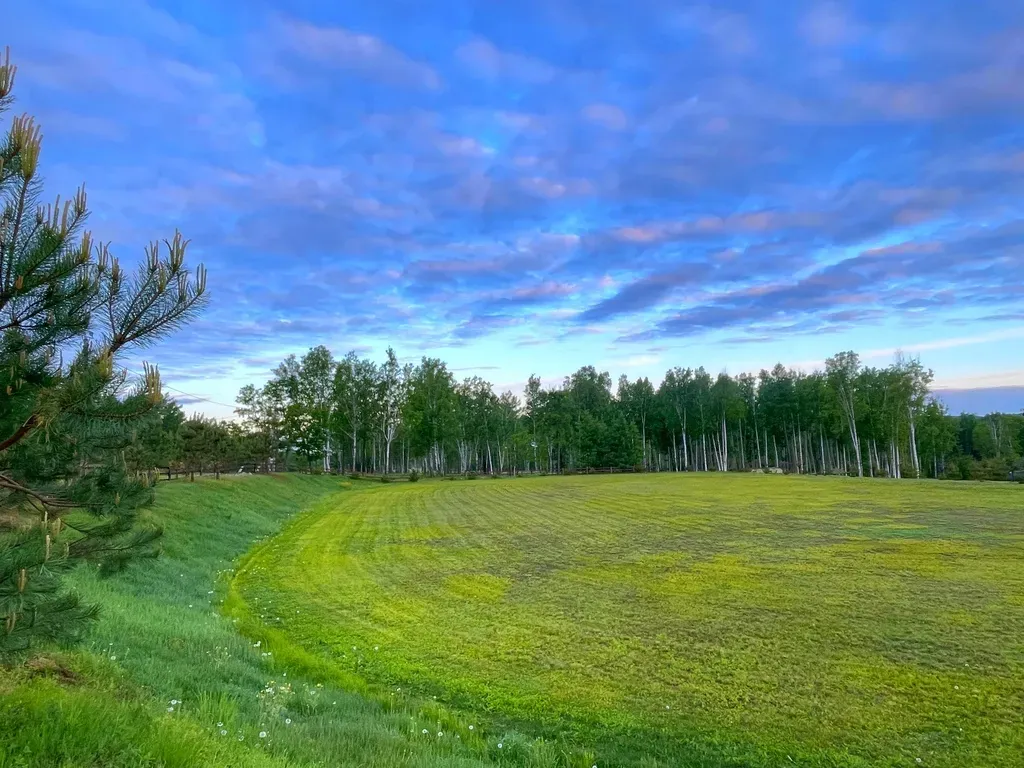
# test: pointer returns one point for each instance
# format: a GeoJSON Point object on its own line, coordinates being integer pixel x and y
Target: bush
{"type": "Point", "coordinates": [353, 475]}
{"type": "Point", "coordinates": [414, 476]}
{"type": "Point", "coordinates": [385, 479]}
{"type": "Point", "coordinates": [471, 475]}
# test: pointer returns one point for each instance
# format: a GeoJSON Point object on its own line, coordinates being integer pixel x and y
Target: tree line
{"type": "Point", "coordinates": [356, 415]}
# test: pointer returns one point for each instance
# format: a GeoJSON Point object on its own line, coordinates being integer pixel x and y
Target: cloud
{"type": "Point", "coordinates": [829, 25]}
{"type": "Point", "coordinates": [607, 115]}
{"type": "Point", "coordinates": [341, 48]}
{"type": "Point", "coordinates": [484, 59]}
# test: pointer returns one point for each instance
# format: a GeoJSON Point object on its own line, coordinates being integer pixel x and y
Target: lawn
{"type": "Point", "coordinates": [707, 620]}
{"type": "Point", "coordinates": [167, 681]}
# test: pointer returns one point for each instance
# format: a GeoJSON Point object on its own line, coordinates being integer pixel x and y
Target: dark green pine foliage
{"type": "Point", "coordinates": [68, 415]}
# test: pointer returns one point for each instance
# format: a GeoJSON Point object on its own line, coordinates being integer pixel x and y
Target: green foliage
{"type": "Point", "coordinates": [70, 422]}
{"type": "Point", "coordinates": [848, 419]}
{"type": "Point", "coordinates": [688, 620]}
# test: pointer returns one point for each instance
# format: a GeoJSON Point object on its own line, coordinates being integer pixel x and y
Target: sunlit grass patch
{"type": "Point", "coordinates": [713, 620]}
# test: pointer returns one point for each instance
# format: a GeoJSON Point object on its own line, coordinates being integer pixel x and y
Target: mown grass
{"type": "Point", "coordinates": [167, 680]}
{"type": "Point", "coordinates": [691, 620]}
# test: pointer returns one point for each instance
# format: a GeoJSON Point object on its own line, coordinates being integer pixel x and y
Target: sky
{"type": "Point", "coordinates": [527, 187]}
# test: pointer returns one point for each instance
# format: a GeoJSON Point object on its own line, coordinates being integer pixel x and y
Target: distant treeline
{"type": "Point", "coordinates": [354, 415]}
{"type": "Point", "coordinates": [317, 413]}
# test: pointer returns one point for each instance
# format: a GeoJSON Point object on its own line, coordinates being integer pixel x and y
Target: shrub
{"type": "Point", "coordinates": [471, 476]}
{"type": "Point", "coordinates": [414, 476]}
{"type": "Point", "coordinates": [385, 479]}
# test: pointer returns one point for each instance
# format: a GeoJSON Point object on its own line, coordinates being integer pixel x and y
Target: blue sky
{"type": "Point", "coordinates": [526, 187]}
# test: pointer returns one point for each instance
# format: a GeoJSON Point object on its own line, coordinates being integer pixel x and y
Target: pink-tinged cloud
{"type": "Point", "coordinates": [908, 217]}
{"type": "Point", "coordinates": [828, 25]}
{"type": "Point", "coordinates": [639, 234]}
{"type": "Point", "coordinates": [451, 266]}
{"type": "Point", "coordinates": [553, 190]}
{"type": "Point", "coordinates": [460, 146]}
{"type": "Point", "coordinates": [520, 121]}
{"type": "Point", "coordinates": [549, 243]}
{"type": "Point", "coordinates": [341, 48]}
{"type": "Point", "coordinates": [547, 289]}
{"type": "Point", "coordinates": [607, 115]}
{"type": "Point", "coordinates": [905, 249]}
{"type": "Point", "coordinates": [717, 126]}
{"type": "Point", "coordinates": [729, 33]}
{"type": "Point", "coordinates": [756, 222]}
{"type": "Point", "coordinates": [374, 208]}
{"type": "Point", "coordinates": [483, 58]}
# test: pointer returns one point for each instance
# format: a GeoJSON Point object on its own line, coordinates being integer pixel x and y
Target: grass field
{"type": "Point", "coordinates": [692, 620]}
{"type": "Point", "coordinates": [166, 680]}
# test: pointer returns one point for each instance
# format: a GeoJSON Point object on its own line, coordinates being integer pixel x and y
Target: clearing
{"type": "Point", "coordinates": [691, 619]}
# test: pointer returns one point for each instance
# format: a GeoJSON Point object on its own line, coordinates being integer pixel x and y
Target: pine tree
{"type": "Point", "coordinates": [67, 412]}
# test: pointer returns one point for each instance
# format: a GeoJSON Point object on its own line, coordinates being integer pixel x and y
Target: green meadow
{"type": "Point", "coordinates": [689, 619]}
{"type": "Point", "coordinates": [634, 620]}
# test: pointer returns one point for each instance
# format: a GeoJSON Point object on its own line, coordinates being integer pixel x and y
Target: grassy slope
{"type": "Point", "coordinates": [706, 620]}
{"type": "Point", "coordinates": [161, 639]}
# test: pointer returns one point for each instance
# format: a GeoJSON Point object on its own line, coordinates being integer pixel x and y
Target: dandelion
{"type": "Point", "coordinates": [918, 760]}
{"type": "Point", "coordinates": [223, 732]}
{"type": "Point", "coordinates": [170, 709]}
{"type": "Point", "coordinates": [376, 647]}
{"type": "Point", "coordinates": [220, 725]}
{"type": "Point", "coordinates": [499, 745]}
{"type": "Point", "coordinates": [190, 605]}
{"type": "Point", "coordinates": [241, 737]}
{"type": "Point", "coordinates": [287, 721]}
{"type": "Point", "coordinates": [471, 727]}
{"type": "Point", "coordinates": [440, 733]}
{"type": "Point", "coordinates": [113, 658]}
{"type": "Point", "coordinates": [263, 734]}
{"type": "Point", "coordinates": [424, 731]}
